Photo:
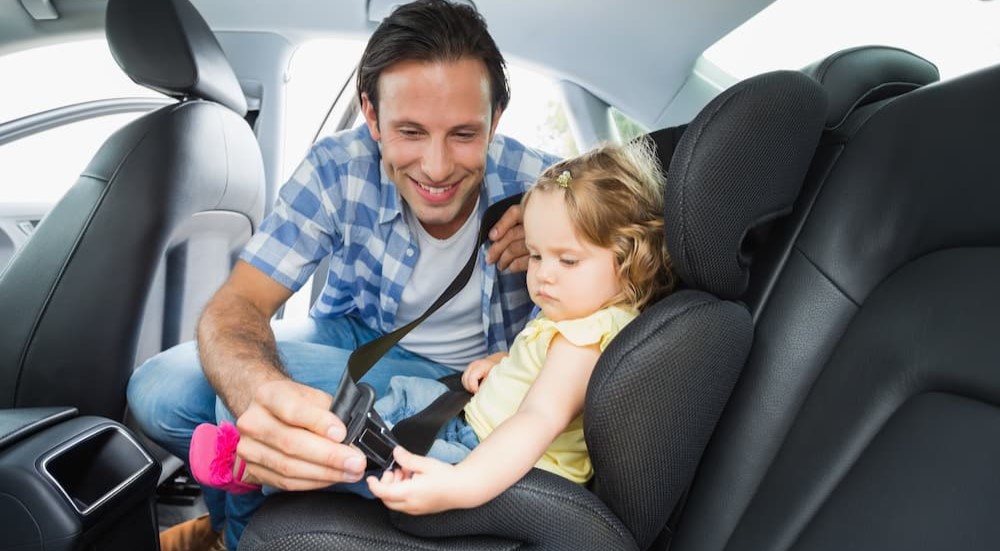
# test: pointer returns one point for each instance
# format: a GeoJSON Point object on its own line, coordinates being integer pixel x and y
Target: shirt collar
{"type": "Point", "coordinates": [495, 190]}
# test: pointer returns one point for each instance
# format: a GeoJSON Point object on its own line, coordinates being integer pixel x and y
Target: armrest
{"type": "Point", "coordinates": [70, 482]}
{"type": "Point", "coordinates": [20, 423]}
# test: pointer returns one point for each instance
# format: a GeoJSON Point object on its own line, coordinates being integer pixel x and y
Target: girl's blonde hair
{"type": "Point", "coordinates": [614, 195]}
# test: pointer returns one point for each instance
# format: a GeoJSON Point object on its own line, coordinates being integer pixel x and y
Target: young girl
{"type": "Point", "coordinates": [594, 230]}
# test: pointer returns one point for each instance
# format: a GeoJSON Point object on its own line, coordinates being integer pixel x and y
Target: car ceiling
{"type": "Point", "coordinates": [635, 55]}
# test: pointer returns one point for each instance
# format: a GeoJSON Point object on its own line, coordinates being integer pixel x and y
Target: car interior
{"type": "Point", "coordinates": [825, 378]}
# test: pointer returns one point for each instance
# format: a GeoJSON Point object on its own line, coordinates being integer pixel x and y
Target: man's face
{"type": "Point", "coordinates": [435, 123]}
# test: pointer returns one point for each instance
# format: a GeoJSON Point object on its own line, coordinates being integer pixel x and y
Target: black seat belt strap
{"type": "Point", "coordinates": [353, 401]}
{"type": "Point", "coordinates": [417, 433]}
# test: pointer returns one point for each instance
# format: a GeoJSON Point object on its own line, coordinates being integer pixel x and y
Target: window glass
{"type": "Point", "coordinates": [320, 70]}
{"type": "Point", "coordinates": [44, 78]}
{"type": "Point", "coordinates": [956, 35]}
{"type": "Point", "coordinates": [319, 90]}
{"type": "Point", "coordinates": [627, 127]}
{"type": "Point", "coordinates": [537, 114]}
{"type": "Point", "coordinates": [41, 167]}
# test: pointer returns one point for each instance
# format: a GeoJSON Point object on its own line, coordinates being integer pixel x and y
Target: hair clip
{"type": "Point", "coordinates": [564, 178]}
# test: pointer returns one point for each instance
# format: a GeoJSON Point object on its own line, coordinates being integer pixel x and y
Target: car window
{"type": "Point", "coordinates": [52, 76]}
{"type": "Point", "coordinates": [626, 127]}
{"type": "Point", "coordinates": [536, 115]}
{"type": "Point", "coordinates": [762, 43]}
{"type": "Point", "coordinates": [319, 72]}
{"type": "Point", "coordinates": [41, 167]}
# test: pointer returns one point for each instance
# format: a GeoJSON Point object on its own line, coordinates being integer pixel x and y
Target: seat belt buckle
{"type": "Point", "coordinates": [365, 428]}
{"type": "Point", "coordinates": [377, 441]}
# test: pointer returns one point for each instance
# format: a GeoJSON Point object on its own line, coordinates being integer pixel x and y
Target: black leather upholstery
{"type": "Point", "coordinates": [858, 82]}
{"type": "Point", "coordinates": [17, 424]}
{"type": "Point", "coordinates": [657, 390]}
{"type": "Point", "coordinates": [867, 415]}
{"type": "Point", "coordinates": [73, 297]}
{"type": "Point", "coordinates": [166, 45]}
{"type": "Point", "coordinates": [865, 74]}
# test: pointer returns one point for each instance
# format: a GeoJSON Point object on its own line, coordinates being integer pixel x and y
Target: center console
{"type": "Point", "coordinates": [74, 483]}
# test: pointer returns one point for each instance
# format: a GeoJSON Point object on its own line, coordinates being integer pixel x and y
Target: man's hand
{"type": "Point", "coordinates": [290, 439]}
{"type": "Point", "coordinates": [479, 369]}
{"type": "Point", "coordinates": [422, 486]}
{"type": "Point", "coordinates": [508, 250]}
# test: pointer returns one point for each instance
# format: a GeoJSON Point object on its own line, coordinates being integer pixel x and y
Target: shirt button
{"type": "Point", "coordinates": [409, 252]}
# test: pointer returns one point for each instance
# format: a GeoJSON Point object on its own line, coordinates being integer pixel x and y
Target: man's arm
{"type": "Point", "coordinates": [235, 341]}
{"type": "Point", "coordinates": [288, 436]}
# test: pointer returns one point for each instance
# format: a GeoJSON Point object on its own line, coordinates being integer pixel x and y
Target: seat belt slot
{"type": "Point", "coordinates": [377, 441]}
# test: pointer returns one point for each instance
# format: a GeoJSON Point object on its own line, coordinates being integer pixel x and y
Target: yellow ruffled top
{"type": "Point", "coordinates": [501, 393]}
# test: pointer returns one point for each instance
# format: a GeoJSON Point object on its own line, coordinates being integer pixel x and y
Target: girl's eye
{"type": "Point", "coordinates": [534, 257]}
{"type": "Point", "coordinates": [568, 261]}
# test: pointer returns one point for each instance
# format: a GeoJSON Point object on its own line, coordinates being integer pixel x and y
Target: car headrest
{"type": "Point", "coordinates": [739, 165]}
{"type": "Point", "coordinates": [167, 46]}
{"type": "Point", "coordinates": [866, 74]}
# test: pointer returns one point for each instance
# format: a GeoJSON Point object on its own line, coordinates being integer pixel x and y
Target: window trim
{"type": "Point", "coordinates": [60, 116]}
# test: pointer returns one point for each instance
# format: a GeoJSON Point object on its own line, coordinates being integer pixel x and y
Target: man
{"type": "Point", "coordinates": [395, 205]}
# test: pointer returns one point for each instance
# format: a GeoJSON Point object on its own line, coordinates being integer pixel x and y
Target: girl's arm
{"type": "Point", "coordinates": [553, 401]}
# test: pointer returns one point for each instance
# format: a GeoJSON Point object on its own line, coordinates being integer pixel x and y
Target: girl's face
{"type": "Point", "coordinates": [568, 277]}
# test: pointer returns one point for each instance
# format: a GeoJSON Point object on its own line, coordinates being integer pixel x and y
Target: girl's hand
{"type": "Point", "coordinates": [423, 485]}
{"type": "Point", "coordinates": [479, 369]}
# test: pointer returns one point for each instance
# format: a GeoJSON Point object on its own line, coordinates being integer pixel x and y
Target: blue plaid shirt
{"type": "Point", "coordinates": [340, 204]}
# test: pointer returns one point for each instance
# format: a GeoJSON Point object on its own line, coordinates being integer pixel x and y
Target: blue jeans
{"type": "Point", "coordinates": [410, 395]}
{"type": "Point", "coordinates": [169, 396]}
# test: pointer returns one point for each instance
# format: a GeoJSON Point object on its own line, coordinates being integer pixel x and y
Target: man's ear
{"type": "Point", "coordinates": [495, 122]}
{"type": "Point", "coordinates": [371, 117]}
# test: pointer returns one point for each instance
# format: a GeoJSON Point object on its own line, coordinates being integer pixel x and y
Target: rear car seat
{"type": "Point", "coordinates": [867, 416]}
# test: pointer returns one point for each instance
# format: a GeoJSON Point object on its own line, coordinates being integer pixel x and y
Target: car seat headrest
{"type": "Point", "coordinates": [167, 46]}
{"type": "Point", "coordinates": [866, 74]}
{"type": "Point", "coordinates": [738, 165]}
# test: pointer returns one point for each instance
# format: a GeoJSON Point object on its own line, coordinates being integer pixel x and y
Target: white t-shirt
{"type": "Point", "coordinates": [454, 335]}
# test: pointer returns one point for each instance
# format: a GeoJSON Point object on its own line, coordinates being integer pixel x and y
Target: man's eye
{"type": "Point", "coordinates": [466, 135]}
{"type": "Point", "coordinates": [409, 132]}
